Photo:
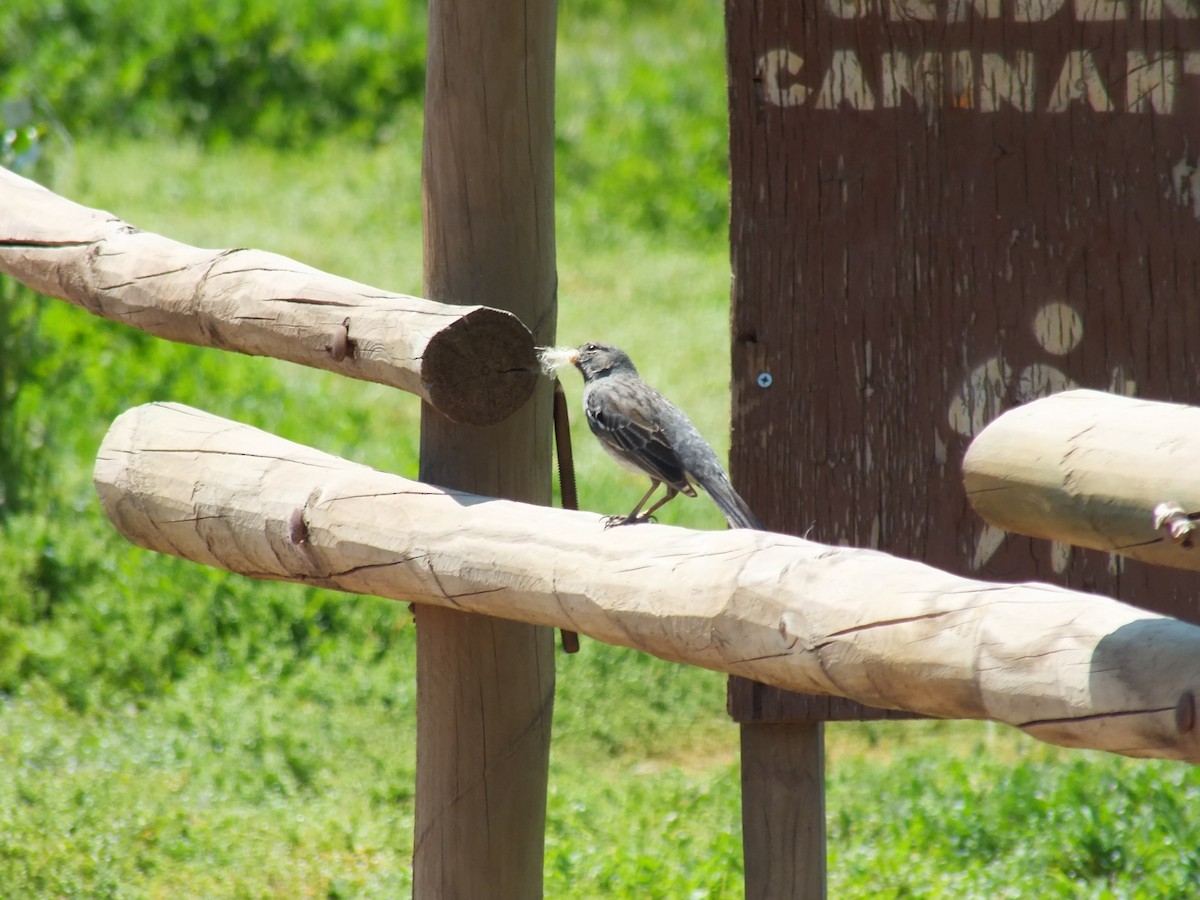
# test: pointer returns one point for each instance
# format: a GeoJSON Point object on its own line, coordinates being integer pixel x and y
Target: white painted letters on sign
{"type": "Point", "coordinates": [988, 82]}
{"type": "Point", "coordinates": [1090, 72]}
{"type": "Point", "coordinates": [1017, 11]}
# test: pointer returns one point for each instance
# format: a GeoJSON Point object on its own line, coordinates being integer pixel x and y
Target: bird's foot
{"type": "Point", "coordinates": [614, 521]}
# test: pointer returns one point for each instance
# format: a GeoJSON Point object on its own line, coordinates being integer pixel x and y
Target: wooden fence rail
{"type": "Point", "coordinates": [474, 364]}
{"type": "Point", "coordinates": [1067, 667]}
{"type": "Point", "coordinates": [1097, 470]}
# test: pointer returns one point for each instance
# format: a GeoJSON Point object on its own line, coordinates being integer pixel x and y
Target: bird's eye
{"type": "Point", "coordinates": [590, 348]}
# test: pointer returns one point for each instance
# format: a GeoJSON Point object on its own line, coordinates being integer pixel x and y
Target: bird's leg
{"type": "Point", "coordinates": [670, 495]}
{"type": "Point", "coordinates": [633, 518]}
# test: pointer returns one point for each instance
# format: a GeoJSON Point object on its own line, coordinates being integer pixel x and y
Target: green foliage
{"type": "Point", "coordinates": [969, 824]}
{"type": "Point", "coordinates": [640, 101]}
{"type": "Point", "coordinates": [641, 132]}
{"type": "Point", "coordinates": [225, 69]}
{"type": "Point", "coordinates": [28, 383]}
{"type": "Point", "coordinates": [21, 347]}
{"type": "Point", "coordinates": [20, 145]}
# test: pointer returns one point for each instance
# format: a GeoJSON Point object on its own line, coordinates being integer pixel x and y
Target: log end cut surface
{"type": "Point", "coordinates": [481, 368]}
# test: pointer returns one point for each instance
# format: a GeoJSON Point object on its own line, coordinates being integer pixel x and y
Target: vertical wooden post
{"type": "Point", "coordinates": [783, 810]}
{"type": "Point", "coordinates": [485, 687]}
{"type": "Point", "coordinates": [783, 784]}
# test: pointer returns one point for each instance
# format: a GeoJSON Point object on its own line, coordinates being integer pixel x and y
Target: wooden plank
{"type": "Point", "coordinates": [783, 811]}
{"type": "Point", "coordinates": [1067, 667]}
{"type": "Point", "coordinates": [485, 687]}
{"type": "Point", "coordinates": [1095, 470]}
{"type": "Point", "coordinates": [941, 211]}
{"type": "Point", "coordinates": [476, 364]}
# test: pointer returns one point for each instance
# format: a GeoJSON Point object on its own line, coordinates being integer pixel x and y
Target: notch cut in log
{"type": "Point", "coordinates": [474, 364]}
{"type": "Point", "coordinates": [1066, 667]}
{"type": "Point", "coordinates": [1093, 469]}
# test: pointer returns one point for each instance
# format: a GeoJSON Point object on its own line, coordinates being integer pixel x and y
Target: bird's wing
{"type": "Point", "coordinates": [622, 414]}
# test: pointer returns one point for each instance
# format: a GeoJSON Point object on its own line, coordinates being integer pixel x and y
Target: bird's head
{"type": "Point", "coordinates": [593, 360]}
{"type": "Point", "coordinates": [598, 360]}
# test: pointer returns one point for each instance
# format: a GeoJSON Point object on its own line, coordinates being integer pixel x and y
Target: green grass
{"type": "Point", "coordinates": [168, 730]}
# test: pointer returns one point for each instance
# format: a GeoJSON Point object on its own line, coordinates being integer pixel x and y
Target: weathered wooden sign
{"type": "Point", "coordinates": [942, 209]}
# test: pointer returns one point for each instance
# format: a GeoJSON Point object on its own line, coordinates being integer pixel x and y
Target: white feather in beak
{"type": "Point", "coordinates": [552, 359]}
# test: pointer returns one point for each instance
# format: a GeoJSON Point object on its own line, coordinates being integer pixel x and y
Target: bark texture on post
{"type": "Point", "coordinates": [1095, 470]}
{"type": "Point", "coordinates": [1066, 667]}
{"type": "Point", "coordinates": [485, 687]}
{"type": "Point", "coordinates": [475, 364]}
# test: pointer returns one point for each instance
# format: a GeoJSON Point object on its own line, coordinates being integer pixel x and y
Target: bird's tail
{"type": "Point", "coordinates": [736, 512]}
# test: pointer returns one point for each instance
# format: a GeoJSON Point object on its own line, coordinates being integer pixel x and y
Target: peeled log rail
{"type": "Point", "coordinates": [474, 364]}
{"type": "Point", "coordinates": [1067, 667]}
{"type": "Point", "coordinates": [1093, 469]}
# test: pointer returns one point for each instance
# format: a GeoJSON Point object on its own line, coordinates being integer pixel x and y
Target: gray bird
{"type": "Point", "coordinates": [647, 433]}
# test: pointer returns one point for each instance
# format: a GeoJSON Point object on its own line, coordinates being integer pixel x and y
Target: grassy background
{"type": "Point", "coordinates": [168, 730]}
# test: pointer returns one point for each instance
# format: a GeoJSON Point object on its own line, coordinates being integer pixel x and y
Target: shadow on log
{"type": "Point", "coordinates": [474, 364]}
{"type": "Point", "coordinates": [1096, 470]}
{"type": "Point", "coordinates": [1067, 667]}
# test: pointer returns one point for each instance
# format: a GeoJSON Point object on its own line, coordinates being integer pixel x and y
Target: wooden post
{"type": "Point", "coordinates": [783, 810]}
{"type": "Point", "coordinates": [485, 687]}
{"type": "Point", "coordinates": [783, 783]}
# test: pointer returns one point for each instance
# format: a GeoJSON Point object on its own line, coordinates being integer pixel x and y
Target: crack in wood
{"type": "Point", "coordinates": [752, 659]}
{"type": "Point", "coordinates": [376, 495]}
{"type": "Point", "coordinates": [1096, 717]}
{"type": "Point", "coordinates": [975, 492]}
{"type": "Point", "coordinates": [336, 465]}
{"type": "Point", "coordinates": [558, 598]}
{"type": "Point", "coordinates": [257, 269]}
{"type": "Point", "coordinates": [1119, 547]}
{"type": "Point", "coordinates": [139, 278]}
{"type": "Point", "coordinates": [478, 593]}
{"type": "Point", "coordinates": [367, 567]}
{"type": "Point", "coordinates": [311, 301]}
{"type": "Point", "coordinates": [438, 581]}
{"type": "Point", "coordinates": [45, 245]}
{"type": "Point", "coordinates": [885, 623]}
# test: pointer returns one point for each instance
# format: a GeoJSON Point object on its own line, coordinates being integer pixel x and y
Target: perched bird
{"type": "Point", "coordinates": [647, 433]}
